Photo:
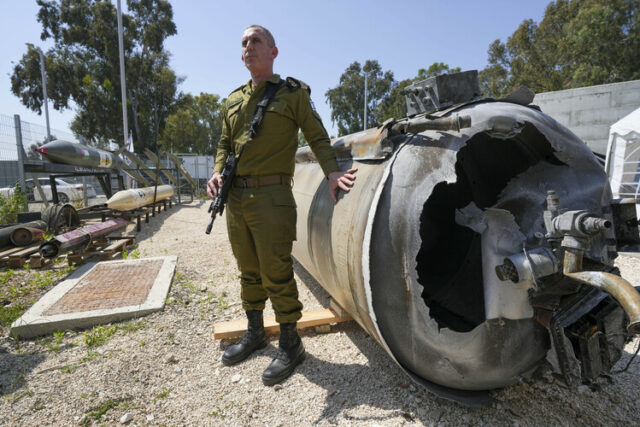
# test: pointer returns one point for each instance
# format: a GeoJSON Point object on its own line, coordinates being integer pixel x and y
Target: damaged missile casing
{"type": "Point", "coordinates": [126, 200]}
{"type": "Point", "coordinates": [6, 233]}
{"type": "Point", "coordinates": [80, 237]}
{"type": "Point", "coordinates": [70, 153]}
{"type": "Point", "coordinates": [24, 236]}
{"type": "Point", "coordinates": [411, 251]}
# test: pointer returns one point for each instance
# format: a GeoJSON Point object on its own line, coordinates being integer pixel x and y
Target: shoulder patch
{"type": "Point", "coordinates": [295, 84]}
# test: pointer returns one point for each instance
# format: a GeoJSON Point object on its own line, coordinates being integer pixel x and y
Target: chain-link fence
{"type": "Point", "coordinates": [15, 133]}
{"type": "Point", "coordinates": [31, 135]}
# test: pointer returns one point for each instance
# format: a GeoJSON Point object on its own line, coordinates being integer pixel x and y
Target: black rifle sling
{"type": "Point", "coordinates": [261, 108]}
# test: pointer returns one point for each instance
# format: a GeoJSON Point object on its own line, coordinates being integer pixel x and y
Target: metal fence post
{"type": "Point", "coordinates": [21, 155]}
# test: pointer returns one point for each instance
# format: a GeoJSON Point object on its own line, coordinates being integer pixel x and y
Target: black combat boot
{"type": "Point", "coordinates": [252, 340]}
{"type": "Point", "coordinates": [290, 354]}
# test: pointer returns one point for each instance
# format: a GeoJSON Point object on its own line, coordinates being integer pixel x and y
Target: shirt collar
{"type": "Point", "coordinates": [275, 78]}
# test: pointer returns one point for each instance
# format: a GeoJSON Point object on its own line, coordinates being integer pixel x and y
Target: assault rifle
{"type": "Point", "coordinates": [228, 174]}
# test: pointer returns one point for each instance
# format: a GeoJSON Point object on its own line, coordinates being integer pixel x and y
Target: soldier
{"type": "Point", "coordinates": [261, 211]}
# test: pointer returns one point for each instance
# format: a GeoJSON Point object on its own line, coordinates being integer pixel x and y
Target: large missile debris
{"type": "Point", "coordinates": [474, 244]}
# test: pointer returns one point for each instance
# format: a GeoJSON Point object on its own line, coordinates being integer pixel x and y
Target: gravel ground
{"type": "Point", "coordinates": [164, 369]}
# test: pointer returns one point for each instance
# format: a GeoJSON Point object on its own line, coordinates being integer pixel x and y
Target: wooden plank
{"type": "Point", "coordinates": [36, 260]}
{"type": "Point", "coordinates": [25, 250]}
{"type": "Point", "coordinates": [18, 259]}
{"type": "Point", "coordinates": [113, 248]}
{"type": "Point", "coordinates": [235, 328]}
{"type": "Point", "coordinates": [337, 309]}
{"type": "Point", "coordinates": [74, 258]}
{"type": "Point", "coordinates": [5, 254]}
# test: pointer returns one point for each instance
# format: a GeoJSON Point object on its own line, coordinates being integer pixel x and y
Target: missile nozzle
{"type": "Point", "coordinates": [48, 250]}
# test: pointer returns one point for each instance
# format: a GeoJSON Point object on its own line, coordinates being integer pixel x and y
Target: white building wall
{"type": "Point", "coordinates": [590, 111]}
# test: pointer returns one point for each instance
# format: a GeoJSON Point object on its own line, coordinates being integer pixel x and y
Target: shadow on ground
{"type": "Point", "coordinates": [14, 369]}
{"type": "Point", "coordinates": [148, 230]}
{"type": "Point", "coordinates": [352, 385]}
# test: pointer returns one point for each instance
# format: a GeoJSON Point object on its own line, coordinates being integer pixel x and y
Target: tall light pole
{"type": "Point", "coordinates": [365, 102]}
{"type": "Point", "coordinates": [123, 86]}
{"type": "Point", "coordinates": [44, 91]}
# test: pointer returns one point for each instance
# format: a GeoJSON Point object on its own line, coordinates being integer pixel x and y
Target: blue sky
{"type": "Point", "coordinates": [317, 40]}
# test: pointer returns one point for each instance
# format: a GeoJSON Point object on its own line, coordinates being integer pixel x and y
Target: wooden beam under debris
{"type": "Point", "coordinates": [235, 328]}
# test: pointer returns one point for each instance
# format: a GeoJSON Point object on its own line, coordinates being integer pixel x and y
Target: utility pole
{"type": "Point", "coordinates": [123, 86]}
{"type": "Point", "coordinates": [365, 102]}
{"type": "Point", "coordinates": [44, 91]}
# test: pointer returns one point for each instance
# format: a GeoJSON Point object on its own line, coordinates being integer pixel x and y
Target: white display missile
{"type": "Point", "coordinates": [127, 200]}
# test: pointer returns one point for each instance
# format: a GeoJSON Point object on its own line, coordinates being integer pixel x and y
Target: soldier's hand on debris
{"type": "Point", "coordinates": [214, 184]}
{"type": "Point", "coordinates": [342, 180]}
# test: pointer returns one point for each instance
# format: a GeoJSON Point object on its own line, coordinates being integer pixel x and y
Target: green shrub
{"type": "Point", "coordinates": [10, 206]}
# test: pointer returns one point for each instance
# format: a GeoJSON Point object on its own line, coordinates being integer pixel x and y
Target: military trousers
{"type": "Point", "coordinates": [262, 227]}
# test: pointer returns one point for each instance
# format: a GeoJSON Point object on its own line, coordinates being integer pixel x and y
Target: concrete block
{"type": "Point", "coordinates": [36, 321]}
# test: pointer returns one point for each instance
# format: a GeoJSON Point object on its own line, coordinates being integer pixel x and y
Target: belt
{"type": "Point", "coordinates": [261, 180]}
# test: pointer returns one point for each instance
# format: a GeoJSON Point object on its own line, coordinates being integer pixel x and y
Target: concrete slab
{"type": "Point", "coordinates": [98, 293]}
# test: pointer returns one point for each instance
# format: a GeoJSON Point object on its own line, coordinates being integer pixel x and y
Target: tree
{"type": "Point", "coordinates": [195, 126]}
{"type": "Point", "coordinates": [395, 105]}
{"type": "Point", "coordinates": [577, 43]}
{"type": "Point", "coordinates": [32, 154]}
{"type": "Point", "coordinates": [347, 99]}
{"type": "Point", "coordinates": [83, 67]}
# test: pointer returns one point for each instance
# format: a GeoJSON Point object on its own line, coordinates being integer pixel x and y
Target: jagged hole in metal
{"type": "Point", "coordinates": [449, 263]}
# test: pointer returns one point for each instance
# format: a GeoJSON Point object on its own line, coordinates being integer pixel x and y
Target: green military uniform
{"type": "Point", "coordinates": [261, 220]}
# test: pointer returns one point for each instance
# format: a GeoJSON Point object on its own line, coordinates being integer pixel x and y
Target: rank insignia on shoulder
{"type": "Point", "coordinates": [294, 84]}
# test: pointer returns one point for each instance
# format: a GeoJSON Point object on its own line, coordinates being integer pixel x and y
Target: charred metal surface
{"type": "Point", "coordinates": [572, 328]}
{"type": "Point", "coordinates": [411, 252]}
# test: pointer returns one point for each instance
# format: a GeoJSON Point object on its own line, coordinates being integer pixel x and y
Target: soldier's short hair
{"type": "Point", "coordinates": [270, 40]}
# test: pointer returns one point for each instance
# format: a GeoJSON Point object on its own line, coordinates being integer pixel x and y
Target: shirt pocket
{"type": "Point", "coordinates": [233, 112]}
{"type": "Point", "coordinates": [278, 107]}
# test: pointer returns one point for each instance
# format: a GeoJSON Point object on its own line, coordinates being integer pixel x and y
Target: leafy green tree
{"type": "Point", "coordinates": [195, 125]}
{"type": "Point", "coordinates": [347, 99]}
{"type": "Point", "coordinates": [83, 67]}
{"type": "Point", "coordinates": [11, 205]}
{"type": "Point", "coordinates": [395, 105]}
{"type": "Point", "coordinates": [577, 43]}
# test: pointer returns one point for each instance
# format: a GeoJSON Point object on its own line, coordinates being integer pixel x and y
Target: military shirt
{"type": "Point", "coordinates": [272, 150]}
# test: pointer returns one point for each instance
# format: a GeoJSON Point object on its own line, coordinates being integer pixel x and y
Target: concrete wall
{"type": "Point", "coordinates": [590, 111]}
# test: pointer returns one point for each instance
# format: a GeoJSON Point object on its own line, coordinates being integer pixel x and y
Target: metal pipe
{"type": "Point", "coordinates": [421, 124]}
{"type": "Point", "coordinates": [620, 289]}
{"type": "Point", "coordinates": [123, 84]}
{"type": "Point", "coordinates": [44, 91]}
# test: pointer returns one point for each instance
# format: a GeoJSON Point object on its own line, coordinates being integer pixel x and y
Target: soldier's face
{"type": "Point", "coordinates": [257, 55]}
